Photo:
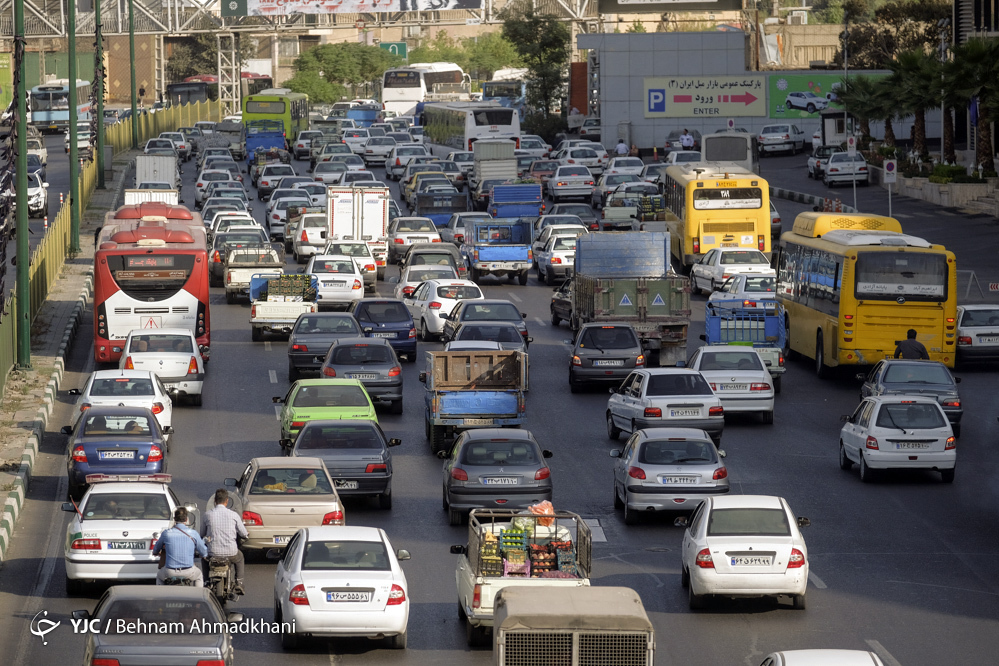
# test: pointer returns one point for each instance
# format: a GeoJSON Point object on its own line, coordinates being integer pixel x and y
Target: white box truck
{"type": "Point", "coordinates": [157, 169]}
{"type": "Point", "coordinates": [360, 213]}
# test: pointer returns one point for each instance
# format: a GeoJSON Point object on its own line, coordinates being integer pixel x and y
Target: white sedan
{"type": "Point", "coordinates": [977, 333]}
{"type": "Point", "coordinates": [434, 298]}
{"type": "Point", "coordinates": [342, 581]}
{"type": "Point", "coordinates": [573, 226]}
{"type": "Point", "coordinates": [126, 388]}
{"type": "Point", "coordinates": [682, 157]}
{"type": "Point", "coordinates": [743, 546]}
{"type": "Point", "coordinates": [277, 213]}
{"type": "Point", "coordinates": [720, 264]}
{"type": "Point", "coordinates": [412, 276]}
{"type": "Point", "coordinates": [339, 281]}
{"type": "Point", "coordinates": [556, 260]}
{"type": "Point", "coordinates": [822, 658]}
{"type": "Point", "coordinates": [173, 354]}
{"type": "Point", "coordinates": [746, 291]}
{"type": "Point", "coordinates": [625, 165]}
{"type": "Point", "coordinates": [737, 376]}
{"type": "Point", "coordinates": [898, 432]}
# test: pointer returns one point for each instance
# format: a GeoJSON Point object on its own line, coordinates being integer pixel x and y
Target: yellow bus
{"type": "Point", "coordinates": [716, 204]}
{"type": "Point", "coordinates": [291, 108]}
{"type": "Point", "coordinates": [852, 285]}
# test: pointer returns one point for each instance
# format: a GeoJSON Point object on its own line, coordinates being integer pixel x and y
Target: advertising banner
{"type": "Point", "coordinates": [288, 7]}
{"type": "Point", "coordinates": [699, 96]}
{"type": "Point", "coordinates": [805, 95]}
{"type": "Point", "coordinates": [6, 80]}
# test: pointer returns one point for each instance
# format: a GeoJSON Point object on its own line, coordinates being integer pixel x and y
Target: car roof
{"type": "Point", "coordinates": [345, 533]}
{"type": "Point", "coordinates": [102, 374]}
{"type": "Point", "coordinates": [902, 361]}
{"type": "Point", "coordinates": [606, 324]}
{"type": "Point", "coordinates": [901, 399]}
{"type": "Point", "coordinates": [473, 345]}
{"type": "Point", "coordinates": [126, 410]}
{"type": "Point", "coordinates": [127, 487]}
{"type": "Point", "coordinates": [674, 433]}
{"type": "Point", "coordinates": [455, 282]}
{"type": "Point", "coordinates": [182, 592]}
{"type": "Point", "coordinates": [345, 422]}
{"type": "Point", "coordinates": [725, 348]}
{"type": "Point", "coordinates": [747, 502]}
{"type": "Point", "coordinates": [296, 462]}
{"type": "Point", "coordinates": [363, 341]}
{"type": "Point", "coordinates": [330, 381]}
{"type": "Point", "coordinates": [979, 306]}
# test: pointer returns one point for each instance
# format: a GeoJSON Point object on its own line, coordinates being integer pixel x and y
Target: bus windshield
{"type": "Point", "coordinates": [273, 107]}
{"type": "Point", "coordinates": [887, 276]}
{"type": "Point", "coordinates": [50, 101]}
{"type": "Point", "coordinates": [728, 197]}
{"type": "Point", "coordinates": [502, 89]}
{"type": "Point", "coordinates": [402, 80]}
{"type": "Point", "coordinates": [150, 277]}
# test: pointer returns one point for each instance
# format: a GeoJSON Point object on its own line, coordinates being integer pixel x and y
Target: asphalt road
{"type": "Point", "coordinates": [903, 567]}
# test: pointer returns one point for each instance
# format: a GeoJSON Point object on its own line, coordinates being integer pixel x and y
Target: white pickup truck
{"type": "Point", "coordinates": [242, 263]}
{"type": "Point", "coordinates": [276, 301]}
{"type": "Point", "coordinates": [564, 545]}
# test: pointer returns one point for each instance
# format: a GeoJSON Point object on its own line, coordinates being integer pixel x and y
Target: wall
{"type": "Point", "coordinates": [803, 44]}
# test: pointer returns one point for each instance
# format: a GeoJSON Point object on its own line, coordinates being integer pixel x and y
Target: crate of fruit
{"type": "Point", "coordinates": [522, 569]}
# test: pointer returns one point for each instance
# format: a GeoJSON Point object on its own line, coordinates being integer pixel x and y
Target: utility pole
{"type": "Point", "coordinates": [23, 291]}
{"type": "Point", "coordinates": [944, 113]}
{"type": "Point", "coordinates": [131, 55]}
{"type": "Point", "coordinates": [846, 82]}
{"type": "Point", "coordinates": [74, 153]}
{"type": "Point", "coordinates": [99, 70]}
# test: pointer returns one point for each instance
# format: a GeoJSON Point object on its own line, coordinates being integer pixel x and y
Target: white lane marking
{"type": "Point", "coordinates": [267, 345]}
{"type": "Point", "coordinates": [515, 297]}
{"type": "Point", "coordinates": [539, 320]}
{"type": "Point", "coordinates": [273, 375]}
{"type": "Point", "coordinates": [816, 581]}
{"type": "Point", "coordinates": [880, 650]}
{"type": "Point", "coordinates": [902, 215]}
{"type": "Point", "coordinates": [596, 530]}
{"type": "Point", "coordinates": [277, 412]}
{"type": "Point", "coordinates": [335, 659]}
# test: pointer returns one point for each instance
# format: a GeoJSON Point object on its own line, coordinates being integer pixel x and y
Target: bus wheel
{"type": "Point", "coordinates": [821, 371]}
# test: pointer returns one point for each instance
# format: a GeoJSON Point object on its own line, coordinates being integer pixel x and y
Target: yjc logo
{"type": "Point", "coordinates": [657, 100]}
{"type": "Point", "coordinates": [40, 627]}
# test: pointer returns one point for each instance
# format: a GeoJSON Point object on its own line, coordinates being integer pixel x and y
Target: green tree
{"type": "Point", "coordinates": [442, 48]}
{"type": "Point", "coordinates": [916, 82]}
{"type": "Point", "coordinates": [199, 54]}
{"type": "Point", "coordinates": [898, 25]}
{"type": "Point", "coordinates": [489, 53]}
{"type": "Point", "coordinates": [637, 26]}
{"type": "Point", "coordinates": [974, 74]}
{"type": "Point", "coordinates": [543, 42]}
{"type": "Point", "coordinates": [859, 96]}
{"type": "Point", "coordinates": [316, 87]}
{"type": "Point", "coordinates": [324, 72]}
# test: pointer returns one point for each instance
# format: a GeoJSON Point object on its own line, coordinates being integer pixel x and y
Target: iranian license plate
{"type": "Point", "coordinates": [752, 561]}
{"type": "Point", "coordinates": [608, 364]}
{"type": "Point", "coordinates": [735, 387]}
{"type": "Point", "coordinates": [909, 446]}
{"type": "Point", "coordinates": [348, 596]}
{"type": "Point", "coordinates": [334, 284]}
{"type": "Point", "coordinates": [362, 375]}
{"type": "Point", "coordinates": [674, 413]}
{"type": "Point", "coordinates": [500, 481]}
{"type": "Point", "coordinates": [677, 480]}
{"type": "Point", "coordinates": [127, 545]}
{"type": "Point", "coordinates": [116, 455]}
{"type": "Point", "coordinates": [988, 339]}
{"type": "Point", "coordinates": [344, 484]}
{"type": "Point", "coordinates": [478, 421]}
{"type": "Point", "coordinates": [318, 359]}
{"type": "Point", "coordinates": [384, 335]}
{"type": "Point", "coordinates": [282, 540]}
{"type": "Point", "coordinates": [418, 239]}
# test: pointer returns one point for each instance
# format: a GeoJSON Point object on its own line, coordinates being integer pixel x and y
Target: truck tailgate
{"type": "Point", "coordinates": [502, 252]}
{"type": "Point", "coordinates": [490, 587]}
{"type": "Point", "coordinates": [271, 311]}
{"type": "Point", "coordinates": [455, 404]}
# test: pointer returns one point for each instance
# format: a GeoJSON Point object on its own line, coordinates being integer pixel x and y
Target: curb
{"type": "Point", "coordinates": [809, 199]}
{"type": "Point", "coordinates": [15, 502]}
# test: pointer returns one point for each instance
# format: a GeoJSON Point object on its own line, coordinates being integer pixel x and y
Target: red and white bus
{"type": "Point", "coordinates": [150, 272]}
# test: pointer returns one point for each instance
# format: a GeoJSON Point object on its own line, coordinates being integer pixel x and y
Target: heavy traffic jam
{"type": "Point", "coordinates": [390, 305]}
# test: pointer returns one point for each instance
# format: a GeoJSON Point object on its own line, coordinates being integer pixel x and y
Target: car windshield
{"type": "Point", "coordinates": [743, 257]}
{"type": "Point", "coordinates": [490, 311]}
{"type": "Point", "coordinates": [748, 522]}
{"type": "Point", "coordinates": [676, 452]}
{"type": "Point", "coordinates": [583, 153]}
{"type": "Point", "coordinates": [498, 453]}
{"type": "Point", "coordinates": [278, 170]}
{"type": "Point", "coordinates": [776, 129]}
{"type": "Point", "coordinates": [126, 506]}
{"type": "Point", "coordinates": [494, 332]}
{"type": "Point", "coordinates": [731, 360]}
{"type": "Point", "coordinates": [150, 614]}
{"type": "Point", "coordinates": [431, 259]}
{"type": "Point", "coordinates": [383, 312]}
{"type": "Point", "coordinates": [141, 344]}
{"type": "Point", "coordinates": [285, 204]}
{"type": "Point", "coordinates": [579, 210]}
{"type": "Point", "coordinates": [291, 481]}
{"type": "Point", "coordinates": [458, 292]}
{"type": "Point", "coordinates": [686, 383]}
{"type": "Point", "coordinates": [544, 166]}
{"type": "Point", "coordinates": [111, 424]}
{"type": "Point", "coordinates": [346, 556]}
{"type": "Point", "coordinates": [759, 285]}
{"type": "Point", "coordinates": [980, 318]}
{"type": "Point", "coordinates": [320, 325]}
{"type": "Point", "coordinates": [332, 266]}
{"type": "Point", "coordinates": [330, 167]}
{"type": "Point", "coordinates": [359, 354]}
{"type": "Point", "coordinates": [330, 396]}
{"type": "Point", "coordinates": [121, 386]}
{"type": "Point", "coordinates": [564, 243]}
{"type": "Point", "coordinates": [318, 437]}
{"type": "Point", "coordinates": [415, 225]}
{"type": "Point", "coordinates": [913, 416]}
{"type": "Point", "coordinates": [688, 157]}
{"type": "Point", "coordinates": [917, 373]}
{"type": "Point", "coordinates": [608, 337]}
{"type": "Point", "coordinates": [617, 179]}
{"type": "Point", "coordinates": [315, 222]}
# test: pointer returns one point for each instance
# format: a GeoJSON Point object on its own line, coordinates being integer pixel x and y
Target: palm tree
{"type": "Point", "coordinates": [858, 96]}
{"type": "Point", "coordinates": [887, 107]}
{"type": "Point", "coordinates": [915, 79]}
{"type": "Point", "coordinates": [974, 74]}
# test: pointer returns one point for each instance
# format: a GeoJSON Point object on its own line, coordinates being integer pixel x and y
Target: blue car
{"type": "Point", "coordinates": [114, 440]}
{"type": "Point", "coordinates": [387, 318]}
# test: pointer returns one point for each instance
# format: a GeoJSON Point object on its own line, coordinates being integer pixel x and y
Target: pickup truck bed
{"type": "Point", "coordinates": [245, 262]}
{"type": "Point", "coordinates": [759, 328]}
{"type": "Point", "coordinates": [268, 314]}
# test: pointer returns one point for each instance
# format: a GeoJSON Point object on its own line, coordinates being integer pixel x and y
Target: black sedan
{"type": "Point", "coordinates": [931, 379]}
{"type": "Point", "coordinates": [312, 336]}
{"type": "Point", "coordinates": [373, 362]}
{"type": "Point", "coordinates": [489, 309]}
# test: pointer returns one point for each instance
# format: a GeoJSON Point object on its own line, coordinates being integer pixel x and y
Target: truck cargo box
{"type": "Point", "coordinates": [625, 254]}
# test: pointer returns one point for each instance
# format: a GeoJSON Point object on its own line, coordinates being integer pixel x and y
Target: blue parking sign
{"type": "Point", "coordinates": [657, 100]}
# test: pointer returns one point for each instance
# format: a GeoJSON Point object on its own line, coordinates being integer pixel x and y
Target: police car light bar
{"type": "Point", "coordinates": [121, 478]}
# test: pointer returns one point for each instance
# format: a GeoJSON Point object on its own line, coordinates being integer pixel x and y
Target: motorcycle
{"type": "Point", "coordinates": [222, 579]}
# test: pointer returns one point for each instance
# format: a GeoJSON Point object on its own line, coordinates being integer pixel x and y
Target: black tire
{"type": "Point", "coordinates": [767, 417]}
{"type": "Point", "coordinates": [289, 641]}
{"type": "Point", "coordinates": [777, 384]}
{"type": "Point", "coordinates": [573, 386]}
{"type": "Point", "coordinates": [845, 463]}
{"type": "Point", "coordinates": [230, 297]}
{"type": "Point", "coordinates": [947, 475]}
{"type": "Point", "coordinates": [473, 275]}
{"type": "Point", "coordinates": [422, 333]}
{"type": "Point", "coordinates": [798, 602]}
{"type": "Point", "coordinates": [695, 601]}
{"type": "Point", "coordinates": [556, 320]}
{"type": "Point", "coordinates": [821, 371]}
{"type": "Point", "coordinates": [436, 438]}
{"type": "Point", "coordinates": [256, 334]}
{"type": "Point", "coordinates": [74, 587]}
{"type": "Point", "coordinates": [195, 400]}
{"type": "Point", "coordinates": [684, 577]}
{"type": "Point", "coordinates": [455, 517]}
{"type": "Point", "coordinates": [446, 505]}
{"type": "Point", "coordinates": [866, 473]}
{"type": "Point", "coordinates": [461, 612]}
{"type": "Point", "coordinates": [293, 373]}
{"type": "Point", "coordinates": [475, 636]}
{"type": "Point", "coordinates": [618, 504]}
{"type": "Point", "coordinates": [396, 407]}
{"type": "Point", "coordinates": [397, 642]}
{"type": "Point", "coordinates": [613, 432]}
{"type": "Point", "coordinates": [810, 108]}
{"type": "Point", "coordinates": [521, 278]}
{"type": "Point", "coordinates": [385, 500]}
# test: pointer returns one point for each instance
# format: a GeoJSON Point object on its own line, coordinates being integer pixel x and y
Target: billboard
{"type": "Point", "coordinates": [805, 95]}
{"type": "Point", "coordinates": [705, 96]}
{"type": "Point", "coordinates": [662, 6]}
{"type": "Point", "coordinates": [6, 80]}
{"type": "Point", "coordinates": [289, 7]}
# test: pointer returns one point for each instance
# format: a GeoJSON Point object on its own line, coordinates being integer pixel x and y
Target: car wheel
{"type": "Point", "coordinates": [798, 601]}
{"type": "Point", "coordinates": [522, 278]}
{"type": "Point", "coordinates": [293, 373]}
{"type": "Point", "coordinates": [195, 399]}
{"type": "Point", "coordinates": [810, 108]}
{"type": "Point", "coordinates": [556, 320]}
{"type": "Point", "coordinates": [845, 463]}
{"type": "Point", "coordinates": [256, 335]}
{"type": "Point", "coordinates": [475, 636]}
{"type": "Point", "coordinates": [396, 406]}
{"type": "Point", "coordinates": [573, 386]}
{"type": "Point", "coordinates": [767, 417]}
{"type": "Point", "coordinates": [956, 428]}
{"type": "Point", "coordinates": [289, 640]}
{"type": "Point", "coordinates": [473, 274]}
{"type": "Point", "coordinates": [866, 473]}
{"type": "Point", "coordinates": [397, 642]}
{"type": "Point", "coordinates": [446, 505]}
{"type": "Point", "coordinates": [821, 371]}
{"type": "Point", "coordinates": [631, 517]}
{"type": "Point", "coordinates": [947, 475]}
{"type": "Point", "coordinates": [74, 587]}
{"type": "Point", "coordinates": [230, 297]}
{"type": "Point", "coordinates": [422, 332]}
{"type": "Point", "coordinates": [684, 577]}
{"type": "Point", "coordinates": [809, 173]}
{"type": "Point", "coordinates": [695, 601]}
{"type": "Point", "coordinates": [693, 284]}
{"type": "Point", "coordinates": [385, 500]}
{"type": "Point", "coordinates": [777, 384]}
{"type": "Point", "coordinates": [436, 438]}
{"type": "Point", "coordinates": [549, 278]}
{"type": "Point", "coordinates": [826, 182]}
{"type": "Point", "coordinates": [455, 517]}
{"type": "Point", "coordinates": [613, 432]}
{"type": "Point", "coordinates": [618, 504]}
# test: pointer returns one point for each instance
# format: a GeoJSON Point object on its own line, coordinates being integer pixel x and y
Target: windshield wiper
{"type": "Point", "coordinates": [683, 460]}
{"type": "Point", "coordinates": [892, 419]}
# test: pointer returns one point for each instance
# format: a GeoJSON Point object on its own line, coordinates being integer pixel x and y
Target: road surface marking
{"type": "Point", "coordinates": [880, 650]}
{"type": "Point", "coordinates": [277, 412]}
{"type": "Point", "coordinates": [515, 297]}
{"type": "Point", "coordinates": [335, 659]}
{"type": "Point", "coordinates": [902, 215]}
{"type": "Point", "coordinates": [596, 530]}
{"type": "Point", "coordinates": [273, 375]}
{"type": "Point", "coordinates": [267, 345]}
{"type": "Point", "coordinates": [816, 581]}
{"type": "Point", "coordinates": [539, 320]}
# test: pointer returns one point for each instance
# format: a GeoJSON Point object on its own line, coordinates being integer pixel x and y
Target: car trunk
{"type": "Point", "coordinates": [352, 591]}
{"type": "Point", "coordinates": [932, 440]}
{"type": "Point", "coordinates": [122, 452]}
{"type": "Point", "coordinates": [750, 555]}
{"type": "Point", "coordinates": [681, 408]}
{"type": "Point", "coordinates": [318, 344]}
{"type": "Point", "coordinates": [725, 382]}
{"type": "Point", "coordinates": [500, 478]}
{"type": "Point", "coordinates": [167, 365]}
{"type": "Point", "coordinates": [374, 373]}
{"type": "Point", "coordinates": [166, 649]}
{"type": "Point", "coordinates": [290, 510]}
{"type": "Point", "coordinates": [124, 540]}
{"type": "Point", "coordinates": [349, 463]}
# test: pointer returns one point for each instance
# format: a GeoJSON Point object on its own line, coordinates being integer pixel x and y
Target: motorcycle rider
{"type": "Point", "coordinates": [224, 526]}
{"type": "Point", "coordinates": [181, 544]}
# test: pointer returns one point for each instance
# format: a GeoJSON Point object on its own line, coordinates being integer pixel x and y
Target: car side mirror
{"type": "Point", "coordinates": [322, 233]}
{"type": "Point", "coordinates": [556, 289]}
{"type": "Point", "coordinates": [277, 400]}
{"type": "Point", "coordinates": [402, 555]}
{"type": "Point", "coordinates": [446, 316]}
{"type": "Point", "coordinates": [234, 617]}
{"type": "Point", "coordinates": [545, 453]}
{"type": "Point", "coordinates": [80, 615]}
{"type": "Point", "coordinates": [614, 390]}
{"type": "Point", "coordinates": [702, 336]}
{"type": "Point", "coordinates": [45, 186]}
{"type": "Point", "coordinates": [443, 455]}
{"type": "Point", "coordinates": [567, 342]}
{"type": "Point", "coordinates": [285, 443]}
{"type": "Point", "coordinates": [68, 506]}
{"type": "Point", "coordinates": [681, 364]}
{"type": "Point", "coordinates": [722, 454]}
{"type": "Point", "coordinates": [530, 340]}
{"type": "Point", "coordinates": [66, 430]}
{"type": "Point", "coordinates": [523, 315]}
{"type": "Point", "coordinates": [803, 522]}
{"type": "Point", "coordinates": [74, 392]}
{"type": "Point", "coordinates": [957, 380]}
{"type": "Point", "coordinates": [395, 441]}
{"type": "Point", "coordinates": [168, 430]}
{"type": "Point", "coordinates": [229, 482]}
{"type": "Point", "coordinates": [615, 453]}
{"type": "Point", "coordinates": [860, 377]}
{"type": "Point", "coordinates": [275, 553]}
{"type": "Point", "coordinates": [367, 329]}
{"type": "Point", "coordinates": [455, 550]}
{"type": "Point", "coordinates": [682, 521]}
{"type": "Point", "coordinates": [423, 378]}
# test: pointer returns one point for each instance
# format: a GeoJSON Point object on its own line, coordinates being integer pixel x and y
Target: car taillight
{"type": "Point", "coordinates": [157, 408]}
{"type": "Point", "coordinates": [128, 364]}
{"type": "Point", "coordinates": [556, 260]}
{"type": "Point", "coordinates": [253, 519]}
{"type": "Point", "coordinates": [297, 596]}
{"type": "Point", "coordinates": [85, 406]}
{"type": "Point", "coordinates": [412, 333]}
{"type": "Point", "coordinates": [408, 290]}
{"type": "Point", "coordinates": [434, 305]}
{"type": "Point", "coordinates": [375, 467]}
{"type": "Point", "coordinates": [636, 473]}
{"type": "Point", "coordinates": [458, 474]}
{"type": "Point", "coordinates": [357, 284]}
{"type": "Point", "coordinates": [459, 238]}
{"type": "Point", "coordinates": [398, 241]}
{"type": "Point", "coordinates": [333, 518]}
{"type": "Point", "coordinates": [192, 367]}
{"type": "Point", "coordinates": [640, 360]}
{"type": "Point", "coordinates": [476, 596]}
{"type": "Point", "coordinates": [275, 216]}
{"type": "Point", "coordinates": [761, 242]}
{"type": "Point", "coordinates": [542, 474]}
{"type": "Point", "coordinates": [79, 455]}
{"type": "Point", "coordinates": [697, 245]}
{"type": "Point", "coordinates": [155, 454]}
{"type": "Point", "coordinates": [787, 136]}
{"type": "Point", "coordinates": [715, 411]}
{"type": "Point", "coordinates": [577, 361]}
{"type": "Point", "coordinates": [200, 185]}
{"type": "Point", "coordinates": [329, 372]}
{"type": "Point", "coordinates": [369, 267]}
{"type": "Point", "coordinates": [872, 443]}
{"type": "Point", "coordinates": [435, 240]}
{"type": "Point", "coordinates": [951, 403]}
{"type": "Point", "coordinates": [653, 413]}
{"type": "Point", "coordinates": [720, 473]}
{"type": "Point", "coordinates": [703, 559]}
{"type": "Point", "coordinates": [797, 559]}
{"type": "Point", "coordinates": [571, 161]}
{"type": "Point", "coordinates": [594, 226]}
{"type": "Point", "coordinates": [264, 182]}
{"type": "Point", "coordinates": [319, 179]}
{"type": "Point", "coordinates": [950, 444]}
{"type": "Point", "coordinates": [300, 348]}
{"type": "Point", "coordinates": [298, 424]}
{"type": "Point", "coordinates": [305, 237]}
{"type": "Point", "coordinates": [395, 371]}
{"type": "Point", "coordinates": [759, 387]}
{"type": "Point", "coordinates": [104, 662]}
{"type": "Point", "coordinates": [209, 662]}
{"type": "Point", "coordinates": [86, 544]}
{"type": "Point", "coordinates": [396, 596]}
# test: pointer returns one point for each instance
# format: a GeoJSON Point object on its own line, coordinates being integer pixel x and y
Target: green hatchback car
{"type": "Point", "coordinates": [321, 400]}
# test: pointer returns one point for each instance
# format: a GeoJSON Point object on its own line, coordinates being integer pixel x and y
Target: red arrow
{"type": "Point", "coordinates": [682, 99]}
{"type": "Point", "coordinates": [748, 98]}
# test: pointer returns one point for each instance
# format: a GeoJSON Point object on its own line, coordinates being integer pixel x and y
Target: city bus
{"type": "Point", "coordinates": [715, 205]}
{"type": "Point", "coordinates": [507, 88]}
{"type": "Point", "coordinates": [731, 146]}
{"type": "Point", "coordinates": [291, 108]}
{"type": "Point", "coordinates": [451, 126]}
{"type": "Point", "coordinates": [852, 285]}
{"type": "Point", "coordinates": [251, 83]}
{"type": "Point", "coordinates": [150, 272]}
{"type": "Point", "coordinates": [405, 87]}
{"type": "Point", "coordinates": [190, 91]}
{"type": "Point", "coordinates": [49, 105]}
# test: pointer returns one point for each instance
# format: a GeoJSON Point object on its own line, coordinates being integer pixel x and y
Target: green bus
{"type": "Point", "coordinates": [291, 108]}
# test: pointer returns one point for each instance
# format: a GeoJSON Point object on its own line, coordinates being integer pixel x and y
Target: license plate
{"type": "Point", "coordinates": [478, 421]}
{"type": "Point", "coordinates": [611, 364]}
{"type": "Point", "coordinates": [334, 284]}
{"type": "Point", "coordinates": [362, 375]}
{"type": "Point", "coordinates": [684, 412]}
{"type": "Point", "coordinates": [500, 481]}
{"type": "Point", "coordinates": [908, 446]}
{"type": "Point", "coordinates": [343, 484]}
{"type": "Point", "coordinates": [348, 596]}
{"type": "Point", "coordinates": [735, 387]}
{"type": "Point", "coordinates": [678, 480]}
{"type": "Point", "coordinates": [990, 339]}
{"type": "Point", "coordinates": [116, 455]}
{"type": "Point", "coordinates": [127, 545]}
{"type": "Point", "coordinates": [418, 239]}
{"type": "Point", "coordinates": [384, 335]}
{"type": "Point", "coordinates": [282, 540]}
{"type": "Point", "coordinates": [318, 359]}
{"type": "Point", "coordinates": [752, 561]}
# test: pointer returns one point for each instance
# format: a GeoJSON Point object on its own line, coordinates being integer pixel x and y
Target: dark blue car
{"type": "Point", "coordinates": [114, 440]}
{"type": "Point", "coordinates": [387, 318]}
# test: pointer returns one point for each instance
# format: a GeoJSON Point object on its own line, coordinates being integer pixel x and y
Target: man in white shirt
{"type": "Point", "coordinates": [621, 148]}
{"type": "Point", "coordinates": [686, 141]}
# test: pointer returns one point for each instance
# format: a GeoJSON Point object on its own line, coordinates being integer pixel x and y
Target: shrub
{"type": "Point", "coordinates": [965, 178]}
{"type": "Point", "coordinates": [545, 126]}
{"type": "Point", "coordinates": [948, 171]}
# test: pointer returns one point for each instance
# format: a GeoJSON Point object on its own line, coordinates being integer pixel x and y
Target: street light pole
{"type": "Point", "coordinates": [942, 24]}
{"type": "Point", "coordinates": [74, 164]}
{"type": "Point", "coordinates": [131, 55]}
{"type": "Point", "coordinates": [99, 70]}
{"type": "Point", "coordinates": [23, 284]}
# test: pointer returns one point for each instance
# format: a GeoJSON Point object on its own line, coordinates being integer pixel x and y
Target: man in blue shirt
{"type": "Point", "coordinates": [181, 544]}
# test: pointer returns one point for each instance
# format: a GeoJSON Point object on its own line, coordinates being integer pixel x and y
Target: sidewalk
{"type": "Point", "coordinates": [30, 395]}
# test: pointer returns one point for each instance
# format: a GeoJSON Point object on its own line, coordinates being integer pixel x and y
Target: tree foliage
{"type": "Point", "coordinates": [480, 56]}
{"type": "Point", "coordinates": [325, 72]}
{"type": "Point", "coordinates": [897, 26]}
{"type": "Point", "coordinates": [199, 54]}
{"type": "Point", "coordinates": [544, 44]}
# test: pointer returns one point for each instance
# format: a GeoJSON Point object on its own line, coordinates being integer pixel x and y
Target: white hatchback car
{"type": "Point", "coordinates": [738, 376]}
{"type": "Point", "coordinates": [329, 173]}
{"type": "Point", "coordinates": [977, 333]}
{"type": "Point", "coordinates": [718, 265]}
{"type": "Point", "coordinates": [171, 353]}
{"type": "Point", "coordinates": [743, 546]}
{"type": "Point", "coordinates": [898, 432]}
{"type": "Point", "coordinates": [340, 283]}
{"type": "Point", "coordinates": [626, 165]}
{"type": "Point", "coordinates": [412, 276]}
{"type": "Point", "coordinates": [434, 298]}
{"type": "Point", "coordinates": [822, 658]}
{"type": "Point", "coordinates": [342, 581]}
{"type": "Point", "coordinates": [126, 388]}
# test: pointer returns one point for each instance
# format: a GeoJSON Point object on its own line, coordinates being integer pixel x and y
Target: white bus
{"type": "Point", "coordinates": [731, 146]}
{"type": "Point", "coordinates": [451, 126]}
{"type": "Point", "coordinates": [405, 87]}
